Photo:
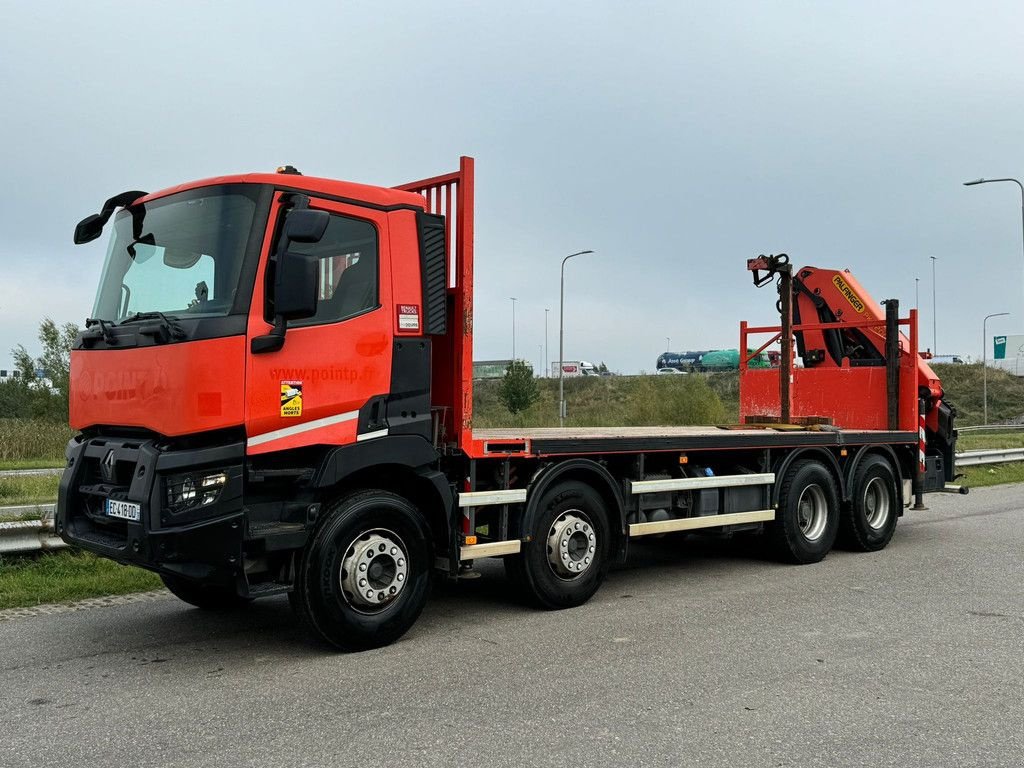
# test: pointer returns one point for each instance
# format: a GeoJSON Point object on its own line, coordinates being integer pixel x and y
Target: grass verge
{"type": "Point", "coordinates": [33, 440]}
{"type": "Point", "coordinates": [992, 474]}
{"type": "Point", "coordinates": [62, 577]}
{"type": "Point", "coordinates": [981, 441]}
{"type": "Point", "coordinates": [28, 489]}
{"type": "Point", "coordinates": [57, 461]}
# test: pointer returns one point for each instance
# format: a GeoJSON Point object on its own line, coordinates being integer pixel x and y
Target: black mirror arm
{"type": "Point", "coordinates": [272, 341]}
{"type": "Point", "coordinates": [96, 222]}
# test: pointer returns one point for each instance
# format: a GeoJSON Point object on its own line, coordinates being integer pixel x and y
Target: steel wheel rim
{"type": "Point", "coordinates": [571, 545]}
{"type": "Point", "coordinates": [374, 571]}
{"type": "Point", "coordinates": [876, 503]}
{"type": "Point", "coordinates": [812, 512]}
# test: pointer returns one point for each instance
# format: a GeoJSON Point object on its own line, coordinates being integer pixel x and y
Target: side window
{"type": "Point", "coordinates": [348, 270]}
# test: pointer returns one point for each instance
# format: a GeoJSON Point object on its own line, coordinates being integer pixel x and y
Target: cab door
{"type": "Point", "coordinates": [311, 391]}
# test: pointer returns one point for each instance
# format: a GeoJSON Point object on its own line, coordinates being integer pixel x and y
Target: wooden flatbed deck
{"type": "Point", "coordinates": [576, 440]}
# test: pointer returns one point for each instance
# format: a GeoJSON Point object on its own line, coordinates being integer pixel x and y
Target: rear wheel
{"type": "Point", "coordinates": [870, 522]}
{"type": "Point", "coordinates": [807, 518]}
{"type": "Point", "coordinates": [209, 597]}
{"type": "Point", "coordinates": [567, 559]}
{"type": "Point", "coordinates": [364, 577]}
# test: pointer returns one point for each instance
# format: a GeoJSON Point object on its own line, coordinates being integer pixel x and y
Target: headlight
{"type": "Point", "coordinates": [195, 489]}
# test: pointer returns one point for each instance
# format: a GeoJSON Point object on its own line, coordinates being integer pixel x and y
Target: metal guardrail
{"type": "Point", "coordinates": [35, 535]}
{"type": "Point", "coordinates": [28, 536]}
{"type": "Point", "coordinates": [990, 428]}
{"type": "Point", "coordinates": [29, 472]}
{"type": "Point", "coordinates": [1000, 456]}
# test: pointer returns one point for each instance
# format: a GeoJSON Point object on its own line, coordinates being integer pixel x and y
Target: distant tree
{"type": "Point", "coordinates": [54, 364]}
{"type": "Point", "coordinates": [602, 368]}
{"type": "Point", "coordinates": [16, 399]}
{"type": "Point", "coordinates": [518, 388]}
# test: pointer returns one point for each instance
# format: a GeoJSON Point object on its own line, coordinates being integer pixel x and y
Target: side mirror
{"type": "Point", "coordinates": [306, 225]}
{"type": "Point", "coordinates": [297, 279]}
{"type": "Point", "coordinates": [89, 228]}
{"type": "Point", "coordinates": [295, 286]}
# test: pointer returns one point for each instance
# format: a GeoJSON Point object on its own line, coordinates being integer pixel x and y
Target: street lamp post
{"type": "Point", "coordinates": [668, 343]}
{"type": "Point", "coordinates": [1015, 181]}
{"type": "Point", "coordinates": [984, 362]}
{"type": "Point", "coordinates": [561, 340]}
{"type": "Point", "coordinates": [547, 368]}
{"type": "Point", "coordinates": [935, 314]}
{"type": "Point", "coordinates": [917, 293]}
{"type": "Point", "coordinates": [513, 300]}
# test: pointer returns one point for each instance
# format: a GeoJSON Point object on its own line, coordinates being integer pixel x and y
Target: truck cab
{"type": "Point", "coordinates": [254, 340]}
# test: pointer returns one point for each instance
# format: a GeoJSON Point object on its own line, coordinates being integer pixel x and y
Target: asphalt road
{"type": "Point", "coordinates": [694, 654]}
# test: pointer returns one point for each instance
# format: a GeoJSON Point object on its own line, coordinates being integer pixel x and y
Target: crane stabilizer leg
{"type": "Point", "coordinates": [772, 265]}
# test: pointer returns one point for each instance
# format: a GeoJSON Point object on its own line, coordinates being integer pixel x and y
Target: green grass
{"type": "Point", "coordinates": [609, 401]}
{"type": "Point", "coordinates": [964, 388]}
{"type": "Point", "coordinates": [28, 489]}
{"type": "Point", "coordinates": [993, 474]}
{"type": "Point", "coordinates": [33, 441]}
{"type": "Point", "coordinates": [45, 463]}
{"type": "Point", "coordinates": [980, 441]}
{"type": "Point", "coordinates": [62, 577]}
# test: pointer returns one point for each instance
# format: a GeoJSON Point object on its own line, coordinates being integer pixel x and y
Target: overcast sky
{"type": "Point", "coordinates": [674, 139]}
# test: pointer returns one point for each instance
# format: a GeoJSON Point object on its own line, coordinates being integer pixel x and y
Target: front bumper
{"type": "Point", "coordinates": [201, 541]}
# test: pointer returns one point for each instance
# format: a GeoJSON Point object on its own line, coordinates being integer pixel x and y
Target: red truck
{"type": "Point", "coordinates": [274, 395]}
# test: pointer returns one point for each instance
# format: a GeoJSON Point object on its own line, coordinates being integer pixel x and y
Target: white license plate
{"type": "Point", "coordinates": [126, 510]}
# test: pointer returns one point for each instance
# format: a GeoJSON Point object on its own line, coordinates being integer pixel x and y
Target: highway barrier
{"type": "Point", "coordinates": [34, 535]}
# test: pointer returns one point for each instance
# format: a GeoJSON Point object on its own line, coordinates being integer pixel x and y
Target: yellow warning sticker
{"type": "Point", "coordinates": [848, 293]}
{"type": "Point", "coordinates": [291, 398]}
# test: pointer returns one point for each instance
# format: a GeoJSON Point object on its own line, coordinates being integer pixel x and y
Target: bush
{"type": "Point", "coordinates": [607, 401]}
{"type": "Point", "coordinates": [518, 389]}
{"type": "Point", "coordinates": [670, 400]}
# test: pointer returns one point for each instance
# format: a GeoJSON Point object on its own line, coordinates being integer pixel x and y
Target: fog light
{"type": "Point", "coordinates": [194, 490]}
{"type": "Point", "coordinates": [215, 480]}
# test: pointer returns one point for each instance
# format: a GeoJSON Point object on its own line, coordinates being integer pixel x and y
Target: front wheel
{"type": "Point", "coordinates": [807, 518]}
{"type": "Point", "coordinates": [365, 575]}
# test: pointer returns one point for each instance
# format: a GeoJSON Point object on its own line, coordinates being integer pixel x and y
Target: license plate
{"type": "Point", "coordinates": [126, 510]}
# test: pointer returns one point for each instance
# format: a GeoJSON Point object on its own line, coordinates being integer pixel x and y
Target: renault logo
{"type": "Point", "coordinates": [107, 467]}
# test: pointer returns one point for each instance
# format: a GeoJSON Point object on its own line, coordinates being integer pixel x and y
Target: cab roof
{"type": "Point", "coordinates": [311, 185]}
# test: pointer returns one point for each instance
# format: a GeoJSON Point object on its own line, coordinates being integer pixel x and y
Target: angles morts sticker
{"type": "Point", "coordinates": [291, 398]}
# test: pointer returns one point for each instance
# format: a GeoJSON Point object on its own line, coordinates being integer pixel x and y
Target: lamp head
{"type": "Point", "coordinates": [972, 183]}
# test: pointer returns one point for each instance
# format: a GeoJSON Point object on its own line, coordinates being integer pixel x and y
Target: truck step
{"type": "Point", "coordinates": [268, 588]}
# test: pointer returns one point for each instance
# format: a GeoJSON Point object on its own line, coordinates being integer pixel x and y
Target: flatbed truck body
{"type": "Point", "coordinates": [274, 396]}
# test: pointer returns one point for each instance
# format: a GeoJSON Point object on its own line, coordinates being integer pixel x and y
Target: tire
{"type": "Point", "coordinates": [557, 568]}
{"type": "Point", "coordinates": [870, 522]}
{"type": "Point", "coordinates": [364, 576]}
{"type": "Point", "coordinates": [209, 597]}
{"type": "Point", "coordinates": [807, 520]}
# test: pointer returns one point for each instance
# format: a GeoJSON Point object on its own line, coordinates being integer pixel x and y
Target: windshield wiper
{"type": "Point", "coordinates": [106, 329]}
{"type": "Point", "coordinates": [164, 331]}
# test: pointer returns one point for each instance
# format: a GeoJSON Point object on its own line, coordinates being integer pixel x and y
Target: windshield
{"type": "Point", "coordinates": [181, 255]}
